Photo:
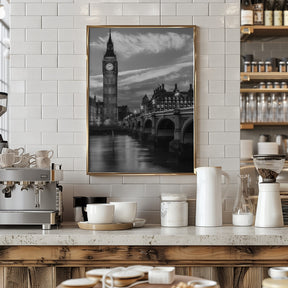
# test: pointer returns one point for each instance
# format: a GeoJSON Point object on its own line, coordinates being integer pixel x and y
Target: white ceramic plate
{"type": "Point", "coordinates": [139, 222]}
{"type": "Point", "coordinates": [79, 282]}
{"type": "Point", "coordinates": [126, 274]}
{"type": "Point", "coordinates": [203, 283]}
{"type": "Point", "coordinates": [97, 272]}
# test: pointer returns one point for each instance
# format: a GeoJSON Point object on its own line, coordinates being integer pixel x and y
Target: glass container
{"type": "Point", "coordinates": [243, 208]}
{"type": "Point", "coordinates": [269, 166]}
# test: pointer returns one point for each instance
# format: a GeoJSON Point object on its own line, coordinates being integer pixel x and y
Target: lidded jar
{"type": "Point", "coordinates": [242, 214]}
{"type": "Point", "coordinates": [174, 210]}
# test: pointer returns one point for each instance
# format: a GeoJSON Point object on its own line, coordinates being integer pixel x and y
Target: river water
{"type": "Point", "coordinates": [125, 154]}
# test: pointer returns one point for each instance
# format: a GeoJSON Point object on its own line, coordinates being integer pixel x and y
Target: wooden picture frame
{"type": "Point", "coordinates": [141, 93]}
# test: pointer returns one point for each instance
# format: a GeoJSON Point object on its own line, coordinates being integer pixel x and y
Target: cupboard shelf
{"type": "Point", "coordinates": [250, 76]}
{"type": "Point", "coordinates": [248, 32]}
{"type": "Point", "coordinates": [250, 126]}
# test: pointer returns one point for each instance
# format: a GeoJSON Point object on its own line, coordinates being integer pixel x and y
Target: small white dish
{"type": "Point", "coordinates": [79, 283]}
{"type": "Point", "coordinates": [278, 272]}
{"type": "Point", "coordinates": [139, 222]}
{"type": "Point", "coordinates": [203, 284]}
{"type": "Point", "coordinates": [161, 275]}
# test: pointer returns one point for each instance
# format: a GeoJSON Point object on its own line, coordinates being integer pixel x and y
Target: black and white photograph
{"type": "Point", "coordinates": [140, 99]}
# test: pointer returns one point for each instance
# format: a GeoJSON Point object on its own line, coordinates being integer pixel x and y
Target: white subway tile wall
{"type": "Point", "coordinates": [47, 101]}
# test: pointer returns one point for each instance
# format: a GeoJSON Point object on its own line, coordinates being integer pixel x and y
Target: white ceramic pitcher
{"type": "Point", "coordinates": [209, 196]}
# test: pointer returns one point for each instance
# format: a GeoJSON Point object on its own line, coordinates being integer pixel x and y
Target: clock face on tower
{"type": "Point", "coordinates": [109, 66]}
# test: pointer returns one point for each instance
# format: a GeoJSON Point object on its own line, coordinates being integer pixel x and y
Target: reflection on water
{"type": "Point", "coordinates": [124, 154]}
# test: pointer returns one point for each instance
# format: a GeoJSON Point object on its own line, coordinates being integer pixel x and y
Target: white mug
{"type": "Point", "coordinates": [43, 162]}
{"type": "Point", "coordinates": [125, 212]}
{"type": "Point", "coordinates": [18, 151]}
{"type": "Point", "coordinates": [100, 213]}
{"type": "Point", "coordinates": [45, 153]}
{"type": "Point", "coordinates": [9, 159]}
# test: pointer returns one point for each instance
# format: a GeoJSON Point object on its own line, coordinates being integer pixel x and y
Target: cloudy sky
{"type": "Point", "coordinates": [147, 57]}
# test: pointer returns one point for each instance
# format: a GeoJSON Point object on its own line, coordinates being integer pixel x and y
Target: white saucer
{"type": "Point", "coordinates": [79, 282]}
{"type": "Point", "coordinates": [139, 222]}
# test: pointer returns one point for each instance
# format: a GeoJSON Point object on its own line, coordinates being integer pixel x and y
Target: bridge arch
{"type": "Point", "coordinates": [165, 131]}
{"type": "Point", "coordinates": [147, 127]}
{"type": "Point", "coordinates": [187, 131]}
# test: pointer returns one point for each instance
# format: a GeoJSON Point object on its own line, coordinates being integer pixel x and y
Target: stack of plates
{"type": "Point", "coordinates": [121, 278]}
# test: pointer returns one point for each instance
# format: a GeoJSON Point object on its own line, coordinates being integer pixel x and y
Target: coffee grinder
{"type": "Point", "coordinates": [269, 208]}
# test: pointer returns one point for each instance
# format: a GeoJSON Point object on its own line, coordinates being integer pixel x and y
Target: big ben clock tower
{"type": "Point", "coordinates": [110, 75]}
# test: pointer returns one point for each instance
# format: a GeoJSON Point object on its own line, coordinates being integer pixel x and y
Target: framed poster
{"type": "Point", "coordinates": [141, 91]}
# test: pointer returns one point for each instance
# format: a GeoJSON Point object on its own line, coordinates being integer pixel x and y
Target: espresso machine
{"type": "Point", "coordinates": [30, 196]}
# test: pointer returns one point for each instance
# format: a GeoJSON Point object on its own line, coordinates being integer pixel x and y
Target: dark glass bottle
{"type": "Point", "coordinates": [278, 13]}
{"type": "Point", "coordinates": [258, 12]}
{"type": "Point", "coordinates": [268, 13]}
{"type": "Point", "coordinates": [246, 12]}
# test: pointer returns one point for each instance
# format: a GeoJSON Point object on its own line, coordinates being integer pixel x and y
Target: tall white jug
{"type": "Point", "coordinates": [209, 196]}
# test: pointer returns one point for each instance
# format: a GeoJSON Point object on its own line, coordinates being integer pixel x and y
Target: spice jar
{"type": "Point", "coordinates": [254, 67]}
{"type": "Point", "coordinates": [247, 66]}
{"type": "Point", "coordinates": [284, 84]}
{"type": "Point", "coordinates": [261, 66]}
{"type": "Point", "coordinates": [276, 85]}
{"type": "Point", "coordinates": [174, 210]}
{"type": "Point", "coordinates": [262, 85]}
{"type": "Point", "coordinates": [268, 66]}
{"type": "Point", "coordinates": [282, 66]}
{"type": "Point", "coordinates": [269, 85]}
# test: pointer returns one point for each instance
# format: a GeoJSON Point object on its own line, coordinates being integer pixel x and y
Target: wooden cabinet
{"type": "Point", "coordinates": [48, 266]}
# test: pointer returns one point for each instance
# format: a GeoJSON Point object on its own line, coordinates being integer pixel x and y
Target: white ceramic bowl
{"type": "Point", "coordinates": [278, 272]}
{"type": "Point", "coordinates": [125, 212]}
{"type": "Point", "coordinates": [100, 213]}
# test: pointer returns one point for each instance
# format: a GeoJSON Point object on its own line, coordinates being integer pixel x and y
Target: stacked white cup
{"type": "Point", "coordinates": [10, 157]}
{"type": "Point", "coordinates": [43, 158]}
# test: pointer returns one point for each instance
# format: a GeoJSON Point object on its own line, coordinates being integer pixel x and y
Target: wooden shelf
{"type": "Point", "coordinates": [263, 90]}
{"type": "Point", "coordinates": [250, 126]}
{"type": "Point", "coordinates": [248, 32]}
{"type": "Point", "coordinates": [250, 76]}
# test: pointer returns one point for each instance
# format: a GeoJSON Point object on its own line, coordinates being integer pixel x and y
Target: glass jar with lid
{"type": "Point", "coordinates": [174, 210]}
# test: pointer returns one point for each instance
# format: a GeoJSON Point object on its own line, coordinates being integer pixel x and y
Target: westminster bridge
{"type": "Point", "coordinates": [165, 126]}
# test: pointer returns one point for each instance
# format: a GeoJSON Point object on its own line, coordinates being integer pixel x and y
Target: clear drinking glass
{"type": "Point", "coordinates": [284, 107]}
{"type": "Point", "coordinates": [274, 108]}
{"type": "Point", "coordinates": [242, 108]}
{"type": "Point", "coordinates": [252, 108]}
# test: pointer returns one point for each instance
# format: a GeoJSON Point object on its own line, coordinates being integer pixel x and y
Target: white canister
{"type": "Point", "coordinates": [174, 210]}
{"type": "Point", "coordinates": [246, 149]}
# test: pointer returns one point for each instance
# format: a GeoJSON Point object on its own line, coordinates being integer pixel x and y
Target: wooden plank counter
{"type": "Point", "coordinates": [231, 256]}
